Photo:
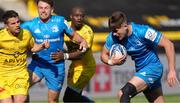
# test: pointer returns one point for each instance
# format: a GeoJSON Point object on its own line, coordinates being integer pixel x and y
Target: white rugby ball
{"type": "Point", "coordinates": [118, 51]}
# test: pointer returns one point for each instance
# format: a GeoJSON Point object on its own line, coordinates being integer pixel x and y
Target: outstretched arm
{"type": "Point", "coordinates": [170, 53]}
{"type": "Point", "coordinates": [38, 47]}
{"type": "Point", "coordinates": [78, 39]}
{"type": "Point", "coordinates": [72, 55]}
{"type": "Point", "coordinates": [60, 55]}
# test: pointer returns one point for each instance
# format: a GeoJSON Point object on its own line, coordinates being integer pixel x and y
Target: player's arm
{"type": "Point", "coordinates": [105, 56]}
{"type": "Point", "coordinates": [34, 47]}
{"type": "Point", "coordinates": [88, 36]}
{"type": "Point", "coordinates": [110, 61]}
{"type": "Point", "coordinates": [170, 53]}
{"type": "Point", "coordinates": [75, 37]}
{"type": "Point", "coordinates": [60, 55]}
{"type": "Point", "coordinates": [39, 47]}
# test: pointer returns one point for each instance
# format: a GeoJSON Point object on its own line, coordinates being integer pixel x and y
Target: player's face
{"type": "Point", "coordinates": [44, 10]}
{"type": "Point", "coordinates": [13, 25]}
{"type": "Point", "coordinates": [121, 32]}
{"type": "Point", "coordinates": [77, 18]}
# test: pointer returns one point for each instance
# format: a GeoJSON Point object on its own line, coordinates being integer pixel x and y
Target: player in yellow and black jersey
{"type": "Point", "coordinates": [14, 44]}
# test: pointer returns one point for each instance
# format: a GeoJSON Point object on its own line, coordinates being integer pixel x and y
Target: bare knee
{"type": "Point", "coordinates": [20, 99]}
{"type": "Point", "coordinates": [34, 79]}
{"type": "Point", "coordinates": [52, 100]}
{"type": "Point", "coordinates": [53, 96]}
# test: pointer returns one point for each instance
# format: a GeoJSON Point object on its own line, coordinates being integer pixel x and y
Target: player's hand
{"type": "Point", "coordinates": [83, 46]}
{"type": "Point", "coordinates": [57, 56]}
{"type": "Point", "coordinates": [46, 44]}
{"type": "Point", "coordinates": [118, 61]}
{"type": "Point", "coordinates": [172, 79]}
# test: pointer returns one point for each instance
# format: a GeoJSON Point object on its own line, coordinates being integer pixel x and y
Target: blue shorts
{"type": "Point", "coordinates": [53, 73]}
{"type": "Point", "coordinates": [151, 74]}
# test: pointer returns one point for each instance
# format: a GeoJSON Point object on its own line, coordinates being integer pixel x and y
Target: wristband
{"type": "Point", "coordinates": [110, 62]}
{"type": "Point", "coordinates": [66, 56]}
{"type": "Point", "coordinates": [83, 50]}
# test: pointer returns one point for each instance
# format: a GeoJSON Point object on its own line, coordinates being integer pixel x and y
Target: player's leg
{"type": "Point", "coordinates": [20, 87]}
{"type": "Point", "coordinates": [143, 78]}
{"type": "Point", "coordinates": [35, 75]}
{"type": "Point", "coordinates": [19, 98]}
{"type": "Point", "coordinates": [6, 100]}
{"type": "Point", "coordinates": [5, 91]}
{"type": "Point", "coordinates": [35, 72]}
{"type": "Point", "coordinates": [155, 94]}
{"type": "Point", "coordinates": [54, 78]}
{"type": "Point", "coordinates": [133, 87]}
{"type": "Point", "coordinates": [78, 78]}
{"type": "Point", "coordinates": [53, 96]}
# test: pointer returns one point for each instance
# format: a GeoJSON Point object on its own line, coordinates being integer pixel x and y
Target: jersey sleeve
{"type": "Point", "coordinates": [151, 36]}
{"type": "Point", "coordinates": [67, 29]}
{"type": "Point", "coordinates": [25, 25]}
{"type": "Point", "coordinates": [31, 44]}
{"type": "Point", "coordinates": [31, 39]}
{"type": "Point", "coordinates": [109, 41]}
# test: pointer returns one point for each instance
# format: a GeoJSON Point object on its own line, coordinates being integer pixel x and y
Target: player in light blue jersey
{"type": "Point", "coordinates": [50, 28]}
{"type": "Point", "coordinates": [141, 42]}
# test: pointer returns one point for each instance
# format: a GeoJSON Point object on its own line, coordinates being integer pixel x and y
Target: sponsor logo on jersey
{"type": "Point", "coordinates": [151, 34]}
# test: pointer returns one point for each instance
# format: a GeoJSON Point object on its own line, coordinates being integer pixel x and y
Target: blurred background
{"type": "Point", "coordinates": [163, 15]}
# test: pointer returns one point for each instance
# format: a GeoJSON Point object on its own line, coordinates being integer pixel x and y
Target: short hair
{"type": "Point", "coordinates": [116, 20]}
{"type": "Point", "coordinates": [50, 2]}
{"type": "Point", "coordinates": [9, 14]}
{"type": "Point", "coordinates": [78, 8]}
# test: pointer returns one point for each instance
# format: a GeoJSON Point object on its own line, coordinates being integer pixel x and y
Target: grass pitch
{"type": "Point", "coordinates": [175, 98]}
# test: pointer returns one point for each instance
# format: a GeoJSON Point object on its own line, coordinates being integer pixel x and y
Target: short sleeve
{"type": "Point", "coordinates": [25, 25]}
{"type": "Point", "coordinates": [67, 29]}
{"type": "Point", "coordinates": [151, 36]}
{"type": "Point", "coordinates": [109, 41]}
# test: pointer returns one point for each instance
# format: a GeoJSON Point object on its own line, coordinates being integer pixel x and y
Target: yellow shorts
{"type": "Point", "coordinates": [14, 85]}
{"type": "Point", "coordinates": [79, 77]}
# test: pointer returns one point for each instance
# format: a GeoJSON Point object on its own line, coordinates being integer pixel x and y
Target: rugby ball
{"type": "Point", "coordinates": [118, 51]}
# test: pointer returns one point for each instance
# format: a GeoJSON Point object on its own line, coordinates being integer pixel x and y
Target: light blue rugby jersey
{"type": "Point", "coordinates": [141, 45]}
{"type": "Point", "coordinates": [53, 31]}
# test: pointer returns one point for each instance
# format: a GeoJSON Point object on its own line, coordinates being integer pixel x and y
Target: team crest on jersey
{"type": "Point", "coordinates": [151, 34]}
{"type": "Point", "coordinates": [55, 28]}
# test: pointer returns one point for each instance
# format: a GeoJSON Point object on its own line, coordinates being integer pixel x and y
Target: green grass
{"type": "Point", "coordinates": [141, 99]}
{"type": "Point", "coordinates": [175, 98]}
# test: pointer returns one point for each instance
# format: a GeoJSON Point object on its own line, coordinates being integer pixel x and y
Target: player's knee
{"type": "Point", "coordinates": [128, 91]}
{"type": "Point", "coordinates": [53, 100]}
{"type": "Point", "coordinates": [34, 79]}
{"type": "Point", "coordinates": [20, 99]}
